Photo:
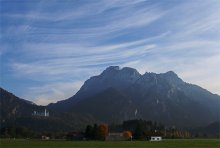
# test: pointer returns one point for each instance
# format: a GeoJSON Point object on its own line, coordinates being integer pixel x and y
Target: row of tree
{"type": "Point", "coordinates": [23, 132]}
{"type": "Point", "coordinates": [96, 132]}
{"type": "Point", "coordinates": [132, 129]}
{"type": "Point", "coordinates": [16, 132]}
{"type": "Point", "coordinates": [142, 129]}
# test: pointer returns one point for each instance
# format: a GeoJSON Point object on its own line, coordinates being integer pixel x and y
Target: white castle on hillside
{"type": "Point", "coordinates": [42, 114]}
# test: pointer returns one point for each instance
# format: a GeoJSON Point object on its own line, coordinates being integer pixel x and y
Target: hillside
{"type": "Point", "coordinates": [125, 94]}
{"type": "Point", "coordinates": [17, 112]}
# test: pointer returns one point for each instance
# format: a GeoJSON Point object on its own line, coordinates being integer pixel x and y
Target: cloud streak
{"type": "Point", "coordinates": [52, 47]}
{"type": "Point", "coordinates": [52, 93]}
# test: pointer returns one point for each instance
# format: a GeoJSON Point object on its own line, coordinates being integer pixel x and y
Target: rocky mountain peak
{"type": "Point", "coordinates": [171, 74]}
{"type": "Point", "coordinates": [110, 70]}
{"type": "Point", "coordinates": [172, 77]}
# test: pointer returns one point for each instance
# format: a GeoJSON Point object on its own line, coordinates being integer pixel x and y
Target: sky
{"type": "Point", "coordinates": [49, 48]}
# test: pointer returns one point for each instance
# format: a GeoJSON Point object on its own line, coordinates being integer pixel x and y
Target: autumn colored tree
{"type": "Point", "coordinates": [103, 131]}
{"type": "Point", "coordinates": [127, 135]}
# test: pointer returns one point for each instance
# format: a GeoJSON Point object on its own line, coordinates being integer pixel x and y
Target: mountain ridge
{"type": "Point", "coordinates": [162, 97]}
{"type": "Point", "coordinates": [120, 94]}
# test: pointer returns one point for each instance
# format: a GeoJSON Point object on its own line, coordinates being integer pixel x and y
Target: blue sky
{"type": "Point", "coordinates": [49, 48]}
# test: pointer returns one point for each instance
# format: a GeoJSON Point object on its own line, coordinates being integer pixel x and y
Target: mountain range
{"type": "Point", "coordinates": [120, 94]}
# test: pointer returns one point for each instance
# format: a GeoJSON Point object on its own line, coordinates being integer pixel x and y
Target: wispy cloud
{"type": "Point", "coordinates": [50, 46]}
{"type": "Point", "coordinates": [52, 93]}
{"type": "Point", "coordinates": [58, 62]}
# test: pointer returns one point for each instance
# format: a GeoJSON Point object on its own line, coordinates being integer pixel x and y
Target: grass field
{"type": "Point", "coordinates": [206, 143]}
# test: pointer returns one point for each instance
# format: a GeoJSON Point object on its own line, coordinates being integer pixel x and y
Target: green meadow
{"type": "Point", "coordinates": [189, 143]}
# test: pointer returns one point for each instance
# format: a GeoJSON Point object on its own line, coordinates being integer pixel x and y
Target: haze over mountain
{"type": "Point", "coordinates": [121, 94]}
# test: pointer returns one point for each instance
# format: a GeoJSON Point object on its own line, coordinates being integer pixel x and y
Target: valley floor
{"type": "Point", "coordinates": [189, 143]}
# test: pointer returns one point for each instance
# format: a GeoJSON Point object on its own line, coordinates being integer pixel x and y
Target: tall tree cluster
{"type": "Point", "coordinates": [96, 132]}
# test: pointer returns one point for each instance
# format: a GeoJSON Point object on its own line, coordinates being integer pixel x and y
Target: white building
{"type": "Point", "coordinates": [155, 138]}
{"type": "Point", "coordinates": [42, 114]}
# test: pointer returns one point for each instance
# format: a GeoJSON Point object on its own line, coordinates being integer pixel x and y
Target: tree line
{"type": "Point", "coordinates": [131, 129]}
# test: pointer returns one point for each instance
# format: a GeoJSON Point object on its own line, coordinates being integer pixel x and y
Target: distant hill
{"type": "Point", "coordinates": [13, 106]}
{"type": "Point", "coordinates": [17, 112]}
{"type": "Point", "coordinates": [210, 130]}
{"type": "Point", "coordinates": [122, 94]}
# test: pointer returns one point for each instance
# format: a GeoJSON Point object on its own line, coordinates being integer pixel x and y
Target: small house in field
{"type": "Point", "coordinates": [155, 138]}
{"type": "Point", "coordinates": [45, 137]}
{"type": "Point", "coordinates": [115, 137]}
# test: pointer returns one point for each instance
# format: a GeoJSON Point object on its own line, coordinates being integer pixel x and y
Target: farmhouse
{"type": "Point", "coordinates": [115, 137]}
{"type": "Point", "coordinates": [44, 137]}
{"type": "Point", "coordinates": [155, 138]}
